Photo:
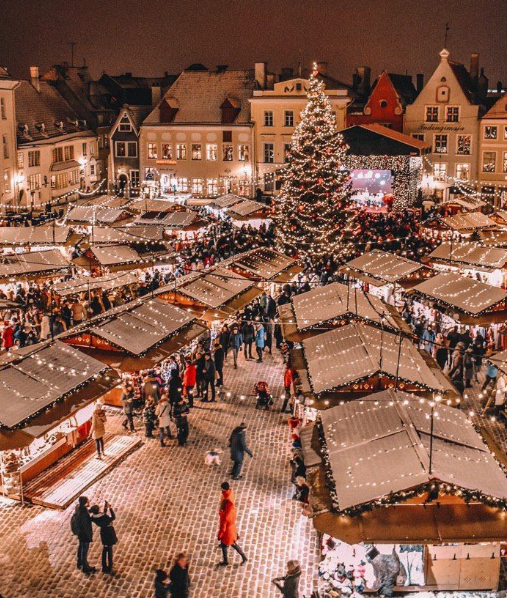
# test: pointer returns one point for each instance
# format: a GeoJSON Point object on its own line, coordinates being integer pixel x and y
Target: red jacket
{"type": "Point", "coordinates": [8, 337]}
{"type": "Point", "coordinates": [287, 378]}
{"type": "Point", "coordinates": [189, 376]}
{"type": "Point", "coordinates": [228, 532]}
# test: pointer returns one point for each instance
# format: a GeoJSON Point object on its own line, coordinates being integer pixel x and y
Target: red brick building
{"type": "Point", "coordinates": [386, 103]}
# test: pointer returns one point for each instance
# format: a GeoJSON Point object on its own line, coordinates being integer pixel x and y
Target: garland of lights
{"type": "Point", "coordinates": [394, 498]}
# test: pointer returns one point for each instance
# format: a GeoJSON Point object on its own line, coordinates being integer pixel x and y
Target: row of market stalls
{"type": "Point", "coordinates": [49, 390]}
{"type": "Point", "coordinates": [405, 492]}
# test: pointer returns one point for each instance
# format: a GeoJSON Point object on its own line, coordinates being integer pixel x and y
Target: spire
{"type": "Point", "coordinates": [444, 54]}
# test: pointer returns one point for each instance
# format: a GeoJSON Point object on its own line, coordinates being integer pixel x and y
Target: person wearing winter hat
{"type": "Point", "coordinates": [289, 584]}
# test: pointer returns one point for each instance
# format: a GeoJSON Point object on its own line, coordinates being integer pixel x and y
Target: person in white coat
{"type": "Point", "coordinates": [501, 389]}
{"type": "Point", "coordinates": [163, 412]}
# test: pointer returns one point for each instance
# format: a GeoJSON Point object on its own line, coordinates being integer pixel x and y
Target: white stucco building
{"type": "Point", "coordinates": [8, 176]}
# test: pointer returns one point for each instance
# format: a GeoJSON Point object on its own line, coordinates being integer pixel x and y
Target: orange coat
{"type": "Point", "coordinates": [228, 532]}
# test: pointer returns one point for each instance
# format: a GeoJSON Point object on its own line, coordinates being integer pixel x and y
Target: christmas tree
{"type": "Point", "coordinates": [314, 193]}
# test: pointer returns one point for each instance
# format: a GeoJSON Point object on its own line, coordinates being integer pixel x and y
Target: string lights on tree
{"type": "Point", "coordinates": [310, 208]}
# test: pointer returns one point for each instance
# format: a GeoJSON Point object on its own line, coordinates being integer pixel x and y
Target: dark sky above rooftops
{"type": "Point", "coordinates": [148, 37]}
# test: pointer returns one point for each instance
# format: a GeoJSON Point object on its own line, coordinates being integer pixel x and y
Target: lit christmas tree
{"type": "Point", "coordinates": [310, 207]}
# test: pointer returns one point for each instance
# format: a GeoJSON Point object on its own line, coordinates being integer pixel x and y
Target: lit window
{"type": "Point", "coordinates": [212, 152]}
{"type": "Point", "coordinates": [440, 144]}
{"type": "Point", "coordinates": [228, 152]}
{"type": "Point", "coordinates": [167, 151]}
{"type": "Point", "coordinates": [33, 158]}
{"type": "Point", "coordinates": [34, 182]}
{"type": "Point", "coordinates": [212, 187]}
{"type": "Point", "coordinates": [504, 164]}
{"type": "Point", "coordinates": [182, 185]}
{"type": "Point", "coordinates": [181, 151]}
{"type": "Point", "coordinates": [286, 151]}
{"type": "Point", "coordinates": [7, 180]}
{"type": "Point", "coordinates": [152, 151]}
{"type": "Point", "coordinates": [463, 145]}
{"type": "Point", "coordinates": [491, 132]}
{"type": "Point", "coordinates": [463, 172]}
{"type": "Point", "coordinates": [197, 186]}
{"type": "Point", "coordinates": [85, 148]}
{"type": "Point", "coordinates": [134, 178]}
{"type": "Point", "coordinates": [243, 153]}
{"type": "Point", "coordinates": [196, 151]}
{"type": "Point", "coordinates": [489, 162]}
{"type": "Point", "coordinates": [269, 153]}
{"type": "Point", "coordinates": [21, 161]}
{"type": "Point", "coordinates": [440, 171]}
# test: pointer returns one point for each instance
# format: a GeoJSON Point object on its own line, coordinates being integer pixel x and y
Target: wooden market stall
{"type": "Point", "coordinates": [112, 258]}
{"type": "Point", "coordinates": [408, 484]}
{"type": "Point", "coordinates": [264, 264]}
{"type": "Point", "coordinates": [36, 236]}
{"type": "Point", "coordinates": [331, 306]}
{"type": "Point", "coordinates": [175, 220]}
{"type": "Point", "coordinates": [355, 360]}
{"type": "Point", "coordinates": [88, 215]}
{"type": "Point", "coordinates": [247, 210]}
{"type": "Point", "coordinates": [86, 284]}
{"type": "Point", "coordinates": [35, 265]}
{"type": "Point", "coordinates": [471, 259]}
{"type": "Point", "coordinates": [214, 295]}
{"type": "Point", "coordinates": [463, 299]}
{"type": "Point", "coordinates": [386, 273]}
{"type": "Point", "coordinates": [467, 223]}
{"type": "Point", "coordinates": [48, 393]}
{"type": "Point", "coordinates": [497, 238]}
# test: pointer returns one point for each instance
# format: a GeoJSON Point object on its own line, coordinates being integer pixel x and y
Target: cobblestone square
{"type": "Point", "coordinates": [166, 500]}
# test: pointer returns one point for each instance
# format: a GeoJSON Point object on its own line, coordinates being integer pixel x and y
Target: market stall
{"type": "Point", "coordinates": [35, 265]}
{"type": "Point", "coordinates": [248, 210]}
{"type": "Point", "coordinates": [96, 215]}
{"type": "Point", "coordinates": [35, 236]}
{"type": "Point", "coordinates": [331, 306]}
{"type": "Point", "coordinates": [497, 238]}
{"type": "Point", "coordinates": [264, 264]}
{"type": "Point", "coordinates": [486, 264]}
{"type": "Point", "coordinates": [178, 222]}
{"type": "Point", "coordinates": [109, 282]}
{"type": "Point", "coordinates": [385, 274]}
{"type": "Point", "coordinates": [467, 223]}
{"type": "Point", "coordinates": [213, 295]}
{"type": "Point", "coordinates": [112, 258]}
{"type": "Point", "coordinates": [405, 493]}
{"type": "Point", "coordinates": [49, 394]}
{"type": "Point", "coordinates": [462, 299]}
{"type": "Point", "coordinates": [354, 360]}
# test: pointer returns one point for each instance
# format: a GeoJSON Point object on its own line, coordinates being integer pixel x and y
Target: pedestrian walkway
{"type": "Point", "coordinates": [166, 500]}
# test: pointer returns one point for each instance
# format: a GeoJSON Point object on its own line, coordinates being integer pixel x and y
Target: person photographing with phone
{"type": "Point", "coordinates": [108, 536]}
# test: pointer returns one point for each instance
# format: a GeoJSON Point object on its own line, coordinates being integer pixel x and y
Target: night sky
{"type": "Point", "coordinates": [149, 37]}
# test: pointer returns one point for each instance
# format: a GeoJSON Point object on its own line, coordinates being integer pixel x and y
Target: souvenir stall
{"type": "Point", "coordinates": [49, 393]}
{"type": "Point", "coordinates": [248, 211]}
{"type": "Point", "coordinates": [110, 283]}
{"type": "Point", "coordinates": [394, 496]}
{"type": "Point", "coordinates": [218, 206]}
{"type": "Point", "coordinates": [355, 360]}
{"type": "Point", "coordinates": [136, 336]}
{"type": "Point", "coordinates": [110, 258]}
{"type": "Point", "coordinates": [468, 223]}
{"type": "Point", "coordinates": [461, 203]}
{"type": "Point", "coordinates": [88, 215]}
{"type": "Point", "coordinates": [385, 274]}
{"type": "Point", "coordinates": [456, 300]}
{"type": "Point", "coordinates": [486, 264]}
{"type": "Point", "coordinates": [178, 223]}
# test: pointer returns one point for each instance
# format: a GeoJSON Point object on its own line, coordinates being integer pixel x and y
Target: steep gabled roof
{"type": "Point", "coordinates": [463, 78]}
{"type": "Point", "coordinates": [499, 108]}
{"type": "Point", "coordinates": [47, 107]}
{"type": "Point", "coordinates": [200, 94]}
{"type": "Point", "coordinates": [404, 87]}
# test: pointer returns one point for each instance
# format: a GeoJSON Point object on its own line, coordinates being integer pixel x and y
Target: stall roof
{"type": "Point", "coordinates": [497, 238]}
{"type": "Point", "coordinates": [460, 293]}
{"type": "Point", "coordinates": [141, 328]}
{"type": "Point", "coordinates": [353, 353]}
{"type": "Point", "coordinates": [244, 208]}
{"type": "Point", "coordinates": [322, 304]}
{"type": "Point", "coordinates": [46, 234]}
{"type": "Point", "coordinates": [226, 201]}
{"type": "Point", "coordinates": [470, 254]}
{"type": "Point", "coordinates": [174, 219]}
{"type": "Point", "coordinates": [112, 255]}
{"type": "Point", "coordinates": [106, 235]}
{"type": "Point", "coordinates": [143, 232]}
{"type": "Point", "coordinates": [31, 264]}
{"type": "Point", "coordinates": [383, 266]}
{"type": "Point", "coordinates": [111, 201]}
{"type": "Point", "coordinates": [264, 263]}
{"type": "Point", "coordinates": [95, 214]}
{"type": "Point", "coordinates": [85, 284]}
{"type": "Point", "coordinates": [216, 288]}
{"type": "Point", "coordinates": [468, 203]}
{"type": "Point", "coordinates": [381, 445]}
{"type": "Point", "coordinates": [501, 215]}
{"type": "Point", "coordinates": [34, 381]}
{"type": "Point", "coordinates": [468, 222]}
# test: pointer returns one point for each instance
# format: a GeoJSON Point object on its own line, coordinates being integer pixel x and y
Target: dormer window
{"type": "Point", "coordinates": [168, 110]}
{"type": "Point", "coordinates": [230, 110]}
{"type": "Point", "coordinates": [125, 125]}
{"type": "Point", "coordinates": [59, 125]}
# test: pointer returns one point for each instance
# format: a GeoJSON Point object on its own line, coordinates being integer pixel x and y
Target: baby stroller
{"type": "Point", "coordinates": [264, 399]}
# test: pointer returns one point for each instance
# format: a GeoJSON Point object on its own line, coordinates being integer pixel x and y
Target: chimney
{"type": "Point", "coordinates": [419, 78]}
{"type": "Point", "coordinates": [156, 95]}
{"type": "Point", "coordinates": [287, 73]}
{"type": "Point", "coordinates": [34, 77]}
{"type": "Point", "coordinates": [322, 68]}
{"type": "Point", "coordinates": [270, 81]}
{"type": "Point", "coordinates": [260, 74]}
{"type": "Point", "coordinates": [474, 67]}
{"type": "Point", "coordinates": [364, 73]}
{"type": "Point", "coordinates": [221, 68]}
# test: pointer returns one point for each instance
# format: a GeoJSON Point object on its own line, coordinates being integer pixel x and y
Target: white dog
{"type": "Point", "coordinates": [213, 457]}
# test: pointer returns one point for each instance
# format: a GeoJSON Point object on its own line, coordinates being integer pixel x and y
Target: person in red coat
{"type": "Point", "coordinates": [189, 380]}
{"type": "Point", "coordinates": [7, 336]}
{"type": "Point", "coordinates": [228, 532]}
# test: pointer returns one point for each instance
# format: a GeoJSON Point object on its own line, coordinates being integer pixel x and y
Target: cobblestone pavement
{"type": "Point", "coordinates": [166, 500]}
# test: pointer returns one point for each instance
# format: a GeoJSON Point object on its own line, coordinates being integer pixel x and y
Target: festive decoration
{"type": "Point", "coordinates": [315, 189]}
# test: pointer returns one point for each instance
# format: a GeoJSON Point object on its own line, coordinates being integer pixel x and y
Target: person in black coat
{"type": "Point", "coordinates": [162, 582]}
{"type": "Point", "coordinates": [209, 372]}
{"type": "Point", "coordinates": [180, 415]}
{"type": "Point", "coordinates": [107, 534]}
{"type": "Point", "coordinates": [225, 337]}
{"type": "Point", "coordinates": [218, 357]}
{"type": "Point", "coordinates": [175, 387]}
{"type": "Point", "coordinates": [248, 332]}
{"type": "Point", "coordinates": [238, 446]}
{"type": "Point", "coordinates": [179, 577]}
{"type": "Point", "coordinates": [82, 527]}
